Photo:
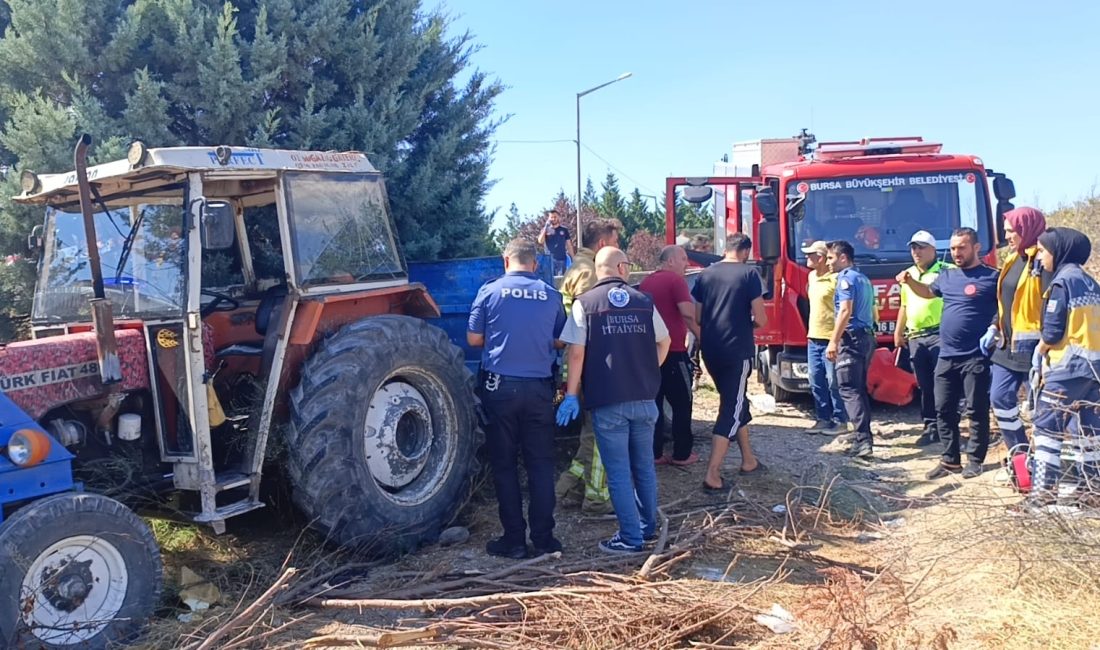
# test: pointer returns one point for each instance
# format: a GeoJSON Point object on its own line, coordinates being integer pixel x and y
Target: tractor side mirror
{"type": "Point", "coordinates": [35, 242]}
{"type": "Point", "coordinates": [218, 230]}
{"type": "Point", "coordinates": [768, 235]}
{"type": "Point", "coordinates": [768, 207]}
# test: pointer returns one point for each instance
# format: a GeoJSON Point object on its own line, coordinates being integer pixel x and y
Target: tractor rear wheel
{"type": "Point", "coordinates": [383, 434]}
{"type": "Point", "coordinates": [76, 571]}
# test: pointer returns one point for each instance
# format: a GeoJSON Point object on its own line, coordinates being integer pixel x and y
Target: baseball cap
{"type": "Point", "coordinates": [819, 247]}
{"type": "Point", "coordinates": [924, 238]}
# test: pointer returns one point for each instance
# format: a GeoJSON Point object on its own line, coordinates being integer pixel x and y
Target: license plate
{"type": "Point", "coordinates": [886, 327]}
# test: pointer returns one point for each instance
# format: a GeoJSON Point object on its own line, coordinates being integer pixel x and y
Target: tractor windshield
{"type": "Point", "coordinates": [342, 231]}
{"type": "Point", "coordinates": [141, 251]}
{"type": "Point", "coordinates": [879, 214]}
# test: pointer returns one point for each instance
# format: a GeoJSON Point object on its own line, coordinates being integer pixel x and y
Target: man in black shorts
{"type": "Point", "coordinates": [726, 293]}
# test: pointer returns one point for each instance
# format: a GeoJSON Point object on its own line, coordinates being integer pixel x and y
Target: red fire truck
{"type": "Point", "coordinates": [875, 193]}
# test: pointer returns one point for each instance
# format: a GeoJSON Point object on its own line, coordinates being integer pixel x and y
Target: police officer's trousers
{"type": "Point", "coordinates": [968, 377]}
{"type": "Point", "coordinates": [521, 421]}
{"type": "Point", "coordinates": [853, 360]}
{"type": "Point", "coordinates": [1067, 410]}
{"type": "Point", "coordinates": [924, 352]}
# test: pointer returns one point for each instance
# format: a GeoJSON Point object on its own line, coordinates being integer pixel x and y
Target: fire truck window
{"type": "Point", "coordinates": [878, 214]}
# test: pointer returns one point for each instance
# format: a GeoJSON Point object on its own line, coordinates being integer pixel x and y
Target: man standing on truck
{"type": "Point", "coordinates": [727, 293]}
{"type": "Point", "coordinates": [555, 237]}
{"type": "Point", "coordinates": [919, 326]}
{"type": "Point", "coordinates": [853, 342]}
{"type": "Point", "coordinates": [584, 482]}
{"type": "Point", "coordinates": [617, 342]}
{"type": "Point", "coordinates": [672, 298]}
{"type": "Point", "coordinates": [969, 295]}
{"type": "Point", "coordinates": [517, 319]}
{"type": "Point", "coordinates": [821, 287]}
{"type": "Point", "coordinates": [1012, 337]}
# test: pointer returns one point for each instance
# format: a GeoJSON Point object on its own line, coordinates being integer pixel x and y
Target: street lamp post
{"type": "Point", "coordinates": [579, 95]}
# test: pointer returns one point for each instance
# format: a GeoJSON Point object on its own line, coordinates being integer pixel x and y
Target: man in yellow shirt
{"type": "Point", "coordinates": [828, 407]}
{"type": "Point", "coordinates": [918, 327]}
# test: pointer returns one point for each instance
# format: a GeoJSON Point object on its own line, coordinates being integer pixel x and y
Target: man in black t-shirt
{"type": "Point", "coordinates": [729, 305]}
{"type": "Point", "coordinates": [555, 237]}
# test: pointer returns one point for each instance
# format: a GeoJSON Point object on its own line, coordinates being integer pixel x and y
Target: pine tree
{"type": "Point", "coordinates": [378, 76]}
{"type": "Point", "coordinates": [589, 199]}
{"type": "Point", "coordinates": [611, 205]}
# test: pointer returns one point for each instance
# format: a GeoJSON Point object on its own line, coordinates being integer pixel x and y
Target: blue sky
{"type": "Point", "coordinates": [1011, 82]}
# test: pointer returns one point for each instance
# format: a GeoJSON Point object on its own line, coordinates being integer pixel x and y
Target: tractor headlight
{"type": "Point", "coordinates": [29, 182]}
{"type": "Point", "coordinates": [28, 447]}
{"type": "Point", "coordinates": [135, 155]}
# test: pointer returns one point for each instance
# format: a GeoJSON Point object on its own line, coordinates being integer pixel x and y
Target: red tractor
{"type": "Point", "coordinates": [199, 311]}
{"type": "Point", "coordinates": [787, 193]}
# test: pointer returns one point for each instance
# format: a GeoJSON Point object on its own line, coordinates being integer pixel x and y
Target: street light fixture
{"type": "Point", "coordinates": [579, 95]}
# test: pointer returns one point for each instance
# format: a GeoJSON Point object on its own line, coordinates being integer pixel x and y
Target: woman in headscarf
{"type": "Point", "coordinates": [1012, 337]}
{"type": "Point", "coordinates": [1066, 366]}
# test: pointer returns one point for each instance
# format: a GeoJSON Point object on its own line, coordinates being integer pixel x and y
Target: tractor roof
{"type": "Point", "coordinates": [156, 167]}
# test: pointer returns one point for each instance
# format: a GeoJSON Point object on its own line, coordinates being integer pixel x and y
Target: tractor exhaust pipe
{"type": "Point", "coordinates": [103, 321]}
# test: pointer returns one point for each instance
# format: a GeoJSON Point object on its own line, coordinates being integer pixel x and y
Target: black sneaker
{"type": "Point", "coordinates": [928, 438]}
{"type": "Point", "coordinates": [617, 545]}
{"type": "Point", "coordinates": [650, 539]}
{"type": "Point", "coordinates": [501, 547]}
{"type": "Point", "coordinates": [972, 469]}
{"type": "Point", "coordinates": [861, 450]}
{"type": "Point", "coordinates": [941, 470]}
{"type": "Point", "coordinates": [552, 546]}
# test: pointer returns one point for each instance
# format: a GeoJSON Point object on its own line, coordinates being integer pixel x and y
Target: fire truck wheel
{"type": "Point", "coordinates": [383, 434]}
{"type": "Point", "coordinates": [76, 571]}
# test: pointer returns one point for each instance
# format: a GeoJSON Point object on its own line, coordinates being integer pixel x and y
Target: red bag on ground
{"type": "Point", "coordinates": [887, 383]}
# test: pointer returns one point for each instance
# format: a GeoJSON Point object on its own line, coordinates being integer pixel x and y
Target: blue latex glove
{"type": "Point", "coordinates": [988, 340]}
{"type": "Point", "coordinates": [568, 410]}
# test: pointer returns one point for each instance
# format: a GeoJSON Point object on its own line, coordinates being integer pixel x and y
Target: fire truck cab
{"type": "Point", "coordinates": [875, 193]}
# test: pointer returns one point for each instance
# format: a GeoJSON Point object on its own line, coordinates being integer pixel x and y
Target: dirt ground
{"type": "Point", "coordinates": [892, 560]}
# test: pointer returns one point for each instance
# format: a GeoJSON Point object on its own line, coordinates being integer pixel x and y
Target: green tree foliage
{"type": "Point", "coordinates": [378, 76]}
{"type": "Point", "coordinates": [611, 204]}
{"type": "Point", "coordinates": [1084, 215]}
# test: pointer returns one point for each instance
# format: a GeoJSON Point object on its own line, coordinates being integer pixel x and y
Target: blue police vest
{"type": "Point", "coordinates": [522, 317]}
{"type": "Point", "coordinates": [620, 358]}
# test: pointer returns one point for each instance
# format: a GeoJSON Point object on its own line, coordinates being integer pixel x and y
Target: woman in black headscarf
{"type": "Point", "coordinates": [1065, 375]}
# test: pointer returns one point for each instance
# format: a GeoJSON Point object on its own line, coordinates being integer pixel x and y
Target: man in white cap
{"type": "Point", "coordinates": [918, 327]}
{"type": "Point", "coordinates": [821, 287]}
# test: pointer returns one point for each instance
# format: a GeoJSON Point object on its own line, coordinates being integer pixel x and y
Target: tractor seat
{"type": "Point", "coordinates": [270, 303]}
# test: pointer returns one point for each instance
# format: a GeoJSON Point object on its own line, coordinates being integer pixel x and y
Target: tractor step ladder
{"type": "Point", "coordinates": [228, 481]}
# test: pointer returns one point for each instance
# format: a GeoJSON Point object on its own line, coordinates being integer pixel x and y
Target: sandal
{"type": "Point", "coordinates": [711, 488]}
{"type": "Point", "coordinates": [759, 469]}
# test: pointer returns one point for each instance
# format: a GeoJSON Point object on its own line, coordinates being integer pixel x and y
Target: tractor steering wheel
{"type": "Point", "coordinates": [216, 304]}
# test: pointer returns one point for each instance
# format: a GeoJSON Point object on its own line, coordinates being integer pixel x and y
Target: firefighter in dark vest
{"type": "Point", "coordinates": [517, 319]}
{"type": "Point", "coordinates": [617, 342]}
{"type": "Point", "coordinates": [1065, 371]}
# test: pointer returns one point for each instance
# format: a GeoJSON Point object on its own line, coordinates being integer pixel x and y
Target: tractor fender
{"type": "Point", "coordinates": [52, 475]}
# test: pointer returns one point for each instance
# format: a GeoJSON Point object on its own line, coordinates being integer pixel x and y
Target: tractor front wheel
{"type": "Point", "coordinates": [383, 434]}
{"type": "Point", "coordinates": [76, 571]}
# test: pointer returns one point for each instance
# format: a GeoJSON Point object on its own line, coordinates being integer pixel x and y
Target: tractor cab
{"type": "Point", "coordinates": [223, 269]}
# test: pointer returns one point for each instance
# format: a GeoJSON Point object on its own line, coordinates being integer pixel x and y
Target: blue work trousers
{"type": "Point", "coordinates": [1005, 399]}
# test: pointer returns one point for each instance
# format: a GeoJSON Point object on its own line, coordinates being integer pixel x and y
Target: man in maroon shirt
{"type": "Point", "coordinates": [673, 301]}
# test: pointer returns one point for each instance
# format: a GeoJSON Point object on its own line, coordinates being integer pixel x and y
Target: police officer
{"type": "Point", "coordinates": [853, 342]}
{"type": "Point", "coordinates": [617, 342]}
{"type": "Point", "coordinates": [919, 326]}
{"type": "Point", "coordinates": [1066, 368]}
{"type": "Point", "coordinates": [517, 319]}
